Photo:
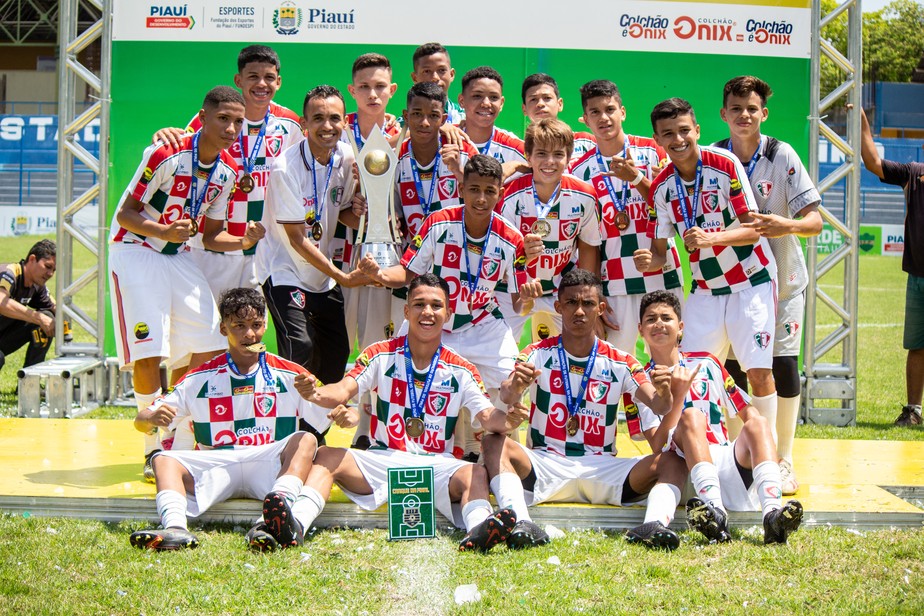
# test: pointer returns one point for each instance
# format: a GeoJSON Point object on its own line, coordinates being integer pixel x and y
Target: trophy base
{"type": "Point", "coordinates": [384, 253]}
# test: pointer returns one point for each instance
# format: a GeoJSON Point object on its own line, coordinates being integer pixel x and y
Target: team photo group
{"type": "Point", "coordinates": [574, 240]}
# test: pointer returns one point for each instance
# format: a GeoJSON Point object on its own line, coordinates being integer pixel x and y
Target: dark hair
{"type": "Point", "coordinates": [257, 53]}
{"type": "Point", "coordinates": [322, 91]}
{"type": "Point", "coordinates": [550, 133]}
{"type": "Point", "coordinates": [426, 89]}
{"type": "Point", "coordinates": [428, 49]}
{"type": "Point", "coordinates": [428, 280]}
{"type": "Point", "coordinates": [538, 79]}
{"type": "Point", "coordinates": [580, 278]}
{"type": "Point", "coordinates": [481, 72]}
{"type": "Point", "coordinates": [744, 85]}
{"type": "Point", "coordinates": [43, 249]}
{"type": "Point", "coordinates": [597, 88]}
{"type": "Point", "coordinates": [486, 166]}
{"type": "Point", "coordinates": [670, 109]}
{"type": "Point", "coordinates": [370, 60]}
{"type": "Point", "coordinates": [222, 94]}
{"type": "Point", "coordinates": [659, 297]}
{"type": "Point", "coordinates": [238, 302]}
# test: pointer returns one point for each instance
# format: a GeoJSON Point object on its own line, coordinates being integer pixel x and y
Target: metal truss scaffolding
{"type": "Point", "coordinates": [831, 361]}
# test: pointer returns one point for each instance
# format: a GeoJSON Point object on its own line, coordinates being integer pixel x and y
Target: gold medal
{"type": "Point", "coordinates": [317, 231]}
{"type": "Point", "coordinates": [622, 220]}
{"type": "Point", "coordinates": [256, 347]}
{"type": "Point", "coordinates": [415, 427]}
{"type": "Point", "coordinates": [246, 183]}
{"type": "Point", "coordinates": [573, 425]}
{"type": "Point", "coordinates": [194, 228]}
{"type": "Point", "coordinates": [541, 227]}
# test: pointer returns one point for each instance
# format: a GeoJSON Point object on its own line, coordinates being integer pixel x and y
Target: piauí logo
{"type": "Point", "coordinates": [287, 18]}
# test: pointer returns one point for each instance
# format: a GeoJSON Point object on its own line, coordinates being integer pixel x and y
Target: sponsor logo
{"type": "Point", "coordinates": [363, 359]}
{"type": "Point", "coordinates": [768, 32]}
{"type": "Point", "coordinates": [762, 339]}
{"type": "Point", "coordinates": [542, 330]}
{"type": "Point", "coordinates": [142, 331]}
{"type": "Point", "coordinates": [243, 390]}
{"type": "Point", "coordinates": [287, 19]}
{"type": "Point", "coordinates": [20, 225]}
{"type": "Point", "coordinates": [417, 241]}
{"type": "Point", "coordinates": [298, 298]}
{"type": "Point", "coordinates": [730, 384]}
{"type": "Point", "coordinates": [323, 19]}
{"type": "Point", "coordinates": [735, 185]}
{"type": "Point", "coordinates": [147, 175]}
{"type": "Point", "coordinates": [867, 242]}
{"type": "Point", "coordinates": [166, 16]}
{"type": "Point", "coordinates": [644, 26]}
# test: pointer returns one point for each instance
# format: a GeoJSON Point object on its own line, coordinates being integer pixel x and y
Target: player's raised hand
{"type": "Point", "coordinates": [454, 135]}
{"type": "Point", "coordinates": [162, 416]}
{"type": "Point", "coordinates": [255, 232]}
{"type": "Point", "coordinates": [450, 152]}
{"type": "Point", "coordinates": [623, 168]}
{"type": "Point", "coordinates": [170, 135]}
{"type": "Point", "coordinates": [344, 416]}
{"type": "Point", "coordinates": [681, 379]}
{"type": "Point", "coordinates": [533, 245]}
{"type": "Point", "coordinates": [305, 385]}
{"type": "Point", "coordinates": [369, 266]}
{"type": "Point", "coordinates": [391, 121]}
{"type": "Point", "coordinates": [769, 225]}
{"type": "Point", "coordinates": [531, 289]}
{"type": "Point", "coordinates": [517, 413]}
{"type": "Point", "coordinates": [513, 167]}
{"type": "Point", "coordinates": [642, 259]}
{"type": "Point", "coordinates": [177, 231]}
{"type": "Point", "coordinates": [661, 379]}
{"type": "Point", "coordinates": [523, 375]}
{"type": "Point", "coordinates": [359, 204]}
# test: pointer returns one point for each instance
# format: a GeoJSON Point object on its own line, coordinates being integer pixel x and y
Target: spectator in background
{"type": "Point", "coordinates": [27, 310]}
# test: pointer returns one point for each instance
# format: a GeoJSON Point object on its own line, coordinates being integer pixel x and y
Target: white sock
{"type": "Point", "coordinates": [766, 406]}
{"type": "Point", "coordinates": [171, 506]}
{"type": "Point", "coordinates": [662, 503]}
{"type": "Point", "coordinates": [151, 441]}
{"type": "Point", "coordinates": [475, 512]}
{"type": "Point", "coordinates": [767, 479]}
{"type": "Point", "coordinates": [289, 486]}
{"type": "Point", "coordinates": [786, 419]}
{"type": "Point", "coordinates": [508, 491]}
{"type": "Point", "coordinates": [705, 479]}
{"type": "Point", "coordinates": [307, 507]}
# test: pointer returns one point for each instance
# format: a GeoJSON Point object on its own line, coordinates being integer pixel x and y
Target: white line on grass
{"type": "Point", "coordinates": [421, 579]}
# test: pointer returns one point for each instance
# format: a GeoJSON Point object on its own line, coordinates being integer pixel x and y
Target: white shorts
{"type": "Point", "coordinates": [545, 321]}
{"type": "Point", "coordinates": [222, 474]}
{"type": "Point", "coordinates": [624, 309]}
{"type": "Point", "coordinates": [367, 311]}
{"type": "Point", "coordinates": [595, 479]}
{"type": "Point", "coordinates": [374, 465]}
{"type": "Point", "coordinates": [735, 496]}
{"type": "Point", "coordinates": [745, 320]}
{"type": "Point", "coordinates": [224, 271]}
{"type": "Point", "coordinates": [790, 316]}
{"type": "Point", "coordinates": [161, 306]}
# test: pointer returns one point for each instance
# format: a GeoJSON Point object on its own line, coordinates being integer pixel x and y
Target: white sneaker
{"type": "Point", "coordinates": [788, 483]}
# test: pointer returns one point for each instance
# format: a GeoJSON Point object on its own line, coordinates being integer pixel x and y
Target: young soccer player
{"type": "Point", "coordinates": [575, 383]}
{"type": "Point", "coordinates": [482, 99]}
{"type": "Point", "coordinates": [703, 194]}
{"type": "Point", "coordinates": [26, 307]}
{"type": "Point", "coordinates": [788, 204]}
{"type": "Point", "coordinates": [557, 209]}
{"type": "Point", "coordinates": [161, 301]}
{"type": "Point", "coordinates": [432, 64]}
{"type": "Point", "coordinates": [620, 168]}
{"type": "Point", "coordinates": [740, 474]}
{"type": "Point", "coordinates": [421, 386]}
{"type": "Point", "coordinates": [542, 100]}
{"type": "Point", "coordinates": [234, 422]}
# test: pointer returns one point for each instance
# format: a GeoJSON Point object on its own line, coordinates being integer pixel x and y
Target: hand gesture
{"type": "Point", "coordinates": [162, 416]}
{"type": "Point", "coordinates": [45, 323]}
{"type": "Point", "coordinates": [661, 379]}
{"type": "Point", "coordinates": [623, 168]}
{"type": "Point", "coordinates": [255, 232]}
{"type": "Point", "coordinates": [695, 238]}
{"type": "Point", "coordinates": [450, 152]}
{"type": "Point", "coordinates": [305, 386]}
{"type": "Point", "coordinates": [344, 416]}
{"type": "Point", "coordinates": [369, 266]}
{"type": "Point", "coordinates": [453, 135]}
{"type": "Point", "coordinates": [533, 245]}
{"type": "Point", "coordinates": [170, 136]}
{"type": "Point", "coordinates": [682, 378]}
{"type": "Point", "coordinates": [356, 278]}
{"type": "Point", "coordinates": [517, 413]}
{"type": "Point", "coordinates": [768, 225]}
{"type": "Point", "coordinates": [531, 289]}
{"type": "Point", "coordinates": [642, 259]}
{"type": "Point", "coordinates": [178, 231]}
{"type": "Point", "coordinates": [523, 375]}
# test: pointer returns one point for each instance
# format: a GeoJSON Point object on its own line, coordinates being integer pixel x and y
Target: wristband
{"type": "Point", "coordinates": [638, 179]}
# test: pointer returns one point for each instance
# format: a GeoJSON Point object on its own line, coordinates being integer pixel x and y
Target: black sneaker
{"type": "Point", "coordinates": [166, 539]}
{"type": "Point", "coordinates": [362, 443]}
{"type": "Point", "coordinates": [277, 516]}
{"type": "Point", "coordinates": [707, 519]}
{"type": "Point", "coordinates": [148, 471]}
{"type": "Point", "coordinates": [259, 539]}
{"type": "Point", "coordinates": [779, 523]}
{"type": "Point", "coordinates": [527, 534]}
{"type": "Point", "coordinates": [495, 529]}
{"type": "Point", "coordinates": [654, 535]}
{"type": "Point", "coordinates": [910, 416]}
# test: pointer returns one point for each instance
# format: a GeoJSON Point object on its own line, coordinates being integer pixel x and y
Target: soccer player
{"type": "Point", "coordinates": [432, 64]}
{"type": "Point", "coordinates": [557, 209]}
{"type": "Point", "coordinates": [234, 423]}
{"type": "Point", "coordinates": [741, 474]}
{"type": "Point", "coordinates": [26, 308]}
{"type": "Point", "coordinates": [161, 302]}
{"type": "Point", "coordinates": [703, 194]}
{"type": "Point", "coordinates": [575, 383]}
{"type": "Point", "coordinates": [788, 204]}
{"type": "Point", "coordinates": [311, 187]}
{"type": "Point", "coordinates": [421, 386]}
{"type": "Point", "coordinates": [269, 129]}
{"type": "Point", "coordinates": [542, 100]}
{"type": "Point", "coordinates": [620, 168]}
{"type": "Point", "coordinates": [482, 99]}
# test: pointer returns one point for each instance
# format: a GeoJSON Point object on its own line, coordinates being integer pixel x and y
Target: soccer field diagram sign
{"type": "Point", "coordinates": [410, 503]}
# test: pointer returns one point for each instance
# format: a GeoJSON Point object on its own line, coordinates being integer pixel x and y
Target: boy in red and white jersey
{"type": "Point", "coordinates": [542, 100]}
{"type": "Point", "coordinates": [432, 65]}
{"type": "Point", "coordinates": [620, 168]}
{"type": "Point", "coordinates": [482, 99]}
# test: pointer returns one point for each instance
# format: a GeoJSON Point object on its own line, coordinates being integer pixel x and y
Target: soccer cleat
{"type": "Point", "coordinates": [910, 416]}
{"type": "Point", "coordinates": [654, 535]}
{"type": "Point", "coordinates": [148, 471]}
{"type": "Point", "coordinates": [779, 523]}
{"type": "Point", "coordinates": [708, 519]}
{"type": "Point", "coordinates": [495, 529]}
{"type": "Point", "coordinates": [788, 483]}
{"type": "Point", "coordinates": [259, 539]}
{"type": "Point", "coordinates": [527, 534]}
{"type": "Point", "coordinates": [280, 523]}
{"type": "Point", "coordinates": [167, 539]}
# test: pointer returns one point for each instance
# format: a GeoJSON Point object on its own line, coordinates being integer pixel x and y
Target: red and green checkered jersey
{"type": "Point", "coordinates": [712, 392]}
{"type": "Point", "coordinates": [573, 216]}
{"type": "Point", "coordinates": [724, 196]}
{"type": "Point", "coordinates": [620, 276]}
{"type": "Point", "coordinates": [282, 131]}
{"type": "Point", "coordinates": [505, 147]}
{"type": "Point", "coordinates": [228, 410]}
{"type": "Point", "coordinates": [614, 373]}
{"type": "Point", "coordinates": [456, 383]}
{"type": "Point", "coordinates": [162, 184]}
{"type": "Point", "coordinates": [583, 143]}
{"type": "Point", "coordinates": [438, 248]}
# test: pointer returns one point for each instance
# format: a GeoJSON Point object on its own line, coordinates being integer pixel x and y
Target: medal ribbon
{"type": "Point", "coordinates": [425, 206]}
{"type": "Point", "coordinates": [360, 142]}
{"type": "Point", "coordinates": [250, 159]}
{"type": "Point", "coordinates": [487, 146]}
{"type": "Point", "coordinates": [195, 200]}
{"type": "Point", "coordinates": [318, 203]}
{"type": "Point", "coordinates": [574, 404]}
{"type": "Point", "coordinates": [689, 210]}
{"type": "Point", "coordinates": [753, 163]}
{"type": "Point", "coordinates": [543, 209]}
{"type": "Point", "coordinates": [620, 203]}
{"type": "Point", "coordinates": [263, 367]}
{"type": "Point", "coordinates": [473, 284]}
{"type": "Point", "coordinates": [418, 409]}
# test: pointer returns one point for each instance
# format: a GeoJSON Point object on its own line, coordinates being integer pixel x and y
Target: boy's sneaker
{"type": "Point", "coordinates": [527, 534]}
{"type": "Point", "coordinates": [277, 516]}
{"type": "Point", "coordinates": [708, 519]}
{"type": "Point", "coordinates": [149, 468]}
{"type": "Point", "coordinates": [910, 416]}
{"type": "Point", "coordinates": [259, 539]}
{"type": "Point", "coordinates": [788, 483]}
{"type": "Point", "coordinates": [654, 535]}
{"type": "Point", "coordinates": [166, 539]}
{"type": "Point", "coordinates": [779, 523]}
{"type": "Point", "coordinates": [495, 529]}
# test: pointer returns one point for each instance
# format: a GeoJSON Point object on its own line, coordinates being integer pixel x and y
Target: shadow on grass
{"type": "Point", "coordinates": [92, 477]}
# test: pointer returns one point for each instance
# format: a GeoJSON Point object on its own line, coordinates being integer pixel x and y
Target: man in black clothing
{"type": "Point", "coordinates": [26, 308]}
